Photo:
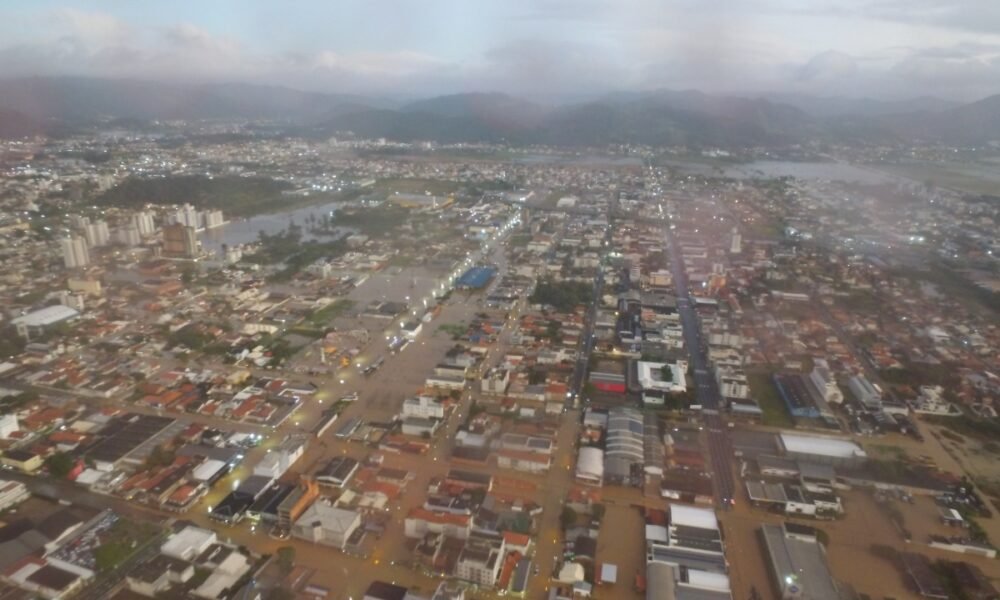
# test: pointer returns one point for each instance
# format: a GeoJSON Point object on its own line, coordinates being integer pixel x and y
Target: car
{"type": "Point", "coordinates": [352, 397]}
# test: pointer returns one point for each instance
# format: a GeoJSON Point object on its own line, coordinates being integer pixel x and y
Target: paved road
{"type": "Point", "coordinates": [706, 387]}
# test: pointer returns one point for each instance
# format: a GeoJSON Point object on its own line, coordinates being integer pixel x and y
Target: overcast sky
{"type": "Point", "coordinates": [539, 48]}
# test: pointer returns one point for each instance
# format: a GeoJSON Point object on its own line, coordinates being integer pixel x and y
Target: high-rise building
{"type": "Point", "coordinates": [97, 234]}
{"type": "Point", "coordinates": [78, 222]}
{"type": "Point", "coordinates": [128, 235]}
{"type": "Point", "coordinates": [75, 252]}
{"type": "Point", "coordinates": [736, 246]}
{"type": "Point", "coordinates": [143, 221]}
{"type": "Point", "coordinates": [188, 216]}
{"type": "Point", "coordinates": [180, 241]}
{"type": "Point", "coordinates": [212, 218]}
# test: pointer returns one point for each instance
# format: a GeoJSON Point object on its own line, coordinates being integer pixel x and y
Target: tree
{"type": "Point", "coordinates": [567, 518]}
{"type": "Point", "coordinates": [59, 465]}
{"type": "Point", "coordinates": [597, 511]}
{"type": "Point", "coordinates": [666, 374]}
{"type": "Point", "coordinates": [286, 559]}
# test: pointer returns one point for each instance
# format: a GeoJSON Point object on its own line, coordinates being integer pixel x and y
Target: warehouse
{"type": "Point", "coordinates": [822, 450]}
{"type": "Point", "coordinates": [798, 562]}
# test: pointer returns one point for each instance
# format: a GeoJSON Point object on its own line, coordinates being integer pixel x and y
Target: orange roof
{"type": "Point", "coordinates": [436, 517]}
{"type": "Point", "coordinates": [516, 539]}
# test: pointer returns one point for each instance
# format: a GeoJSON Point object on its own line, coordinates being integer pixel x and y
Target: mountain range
{"type": "Point", "coordinates": [661, 117]}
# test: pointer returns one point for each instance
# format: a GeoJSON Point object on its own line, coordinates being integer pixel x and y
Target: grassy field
{"type": "Point", "coordinates": [417, 186]}
{"type": "Point", "coordinates": [762, 390]}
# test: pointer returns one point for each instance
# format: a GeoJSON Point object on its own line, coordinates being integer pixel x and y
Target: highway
{"type": "Point", "coordinates": [706, 388]}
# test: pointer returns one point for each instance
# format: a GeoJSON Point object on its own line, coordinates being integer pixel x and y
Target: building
{"type": "Point", "coordinates": [180, 241]}
{"type": "Point", "coordinates": [12, 493]}
{"type": "Point", "coordinates": [481, 559]}
{"type": "Point", "coordinates": [338, 471]}
{"type": "Point", "coordinates": [590, 465]}
{"type": "Point", "coordinates": [188, 216]}
{"type": "Point", "coordinates": [798, 563]}
{"type": "Point", "coordinates": [822, 449]}
{"type": "Point", "coordinates": [144, 223]}
{"type": "Point", "coordinates": [22, 460]}
{"type": "Point", "coordinates": [97, 234]}
{"type": "Point", "coordinates": [423, 406]}
{"type": "Point", "coordinates": [825, 383]}
{"type": "Point", "coordinates": [658, 379]}
{"type": "Point", "coordinates": [624, 449]}
{"type": "Point", "coordinates": [128, 235]}
{"type": "Point", "coordinates": [325, 524]}
{"type": "Point", "coordinates": [278, 460]}
{"type": "Point", "coordinates": [420, 521]}
{"type": "Point", "coordinates": [8, 425]}
{"type": "Point", "coordinates": [75, 252]}
{"type": "Point", "coordinates": [866, 394]}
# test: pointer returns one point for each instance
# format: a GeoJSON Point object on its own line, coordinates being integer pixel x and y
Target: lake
{"type": "Point", "coordinates": [246, 231]}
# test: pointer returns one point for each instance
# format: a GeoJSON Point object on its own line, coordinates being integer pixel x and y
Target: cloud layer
{"type": "Point", "coordinates": [541, 48]}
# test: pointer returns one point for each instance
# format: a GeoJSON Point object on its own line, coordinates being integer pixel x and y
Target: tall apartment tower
{"type": "Point", "coordinates": [97, 234]}
{"type": "Point", "coordinates": [180, 241]}
{"type": "Point", "coordinates": [736, 246]}
{"type": "Point", "coordinates": [143, 221]}
{"type": "Point", "coordinates": [75, 252]}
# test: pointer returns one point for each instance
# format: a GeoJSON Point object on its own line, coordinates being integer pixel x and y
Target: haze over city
{"type": "Point", "coordinates": [544, 49]}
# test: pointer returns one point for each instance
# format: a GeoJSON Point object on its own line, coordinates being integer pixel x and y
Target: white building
{"type": "Point", "coordinates": [144, 222]}
{"type": "Point", "coordinates": [825, 383]}
{"type": "Point", "coordinates": [655, 385]}
{"type": "Point", "coordinates": [423, 406]}
{"type": "Point", "coordinates": [75, 252]}
{"type": "Point", "coordinates": [324, 524]}
{"type": "Point", "coordinates": [481, 559]}
{"type": "Point", "coordinates": [188, 543]}
{"type": "Point", "coordinates": [278, 460]}
{"type": "Point", "coordinates": [12, 493]}
{"type": "Point", "coordinates": [128, 235]}
{"type": "Point", "coordinates": [865, 393]}
{"type": "Point", "coordinates": [590, 465]}
{"type": "Point", "coordinates": [97, 234]}
{"type": "Point", "coordinates": [8, 425]}
{"type": "Point", "coordinates": [931, 401]}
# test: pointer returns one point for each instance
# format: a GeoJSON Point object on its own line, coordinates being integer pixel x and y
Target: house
{"type": "Point", "coordinates": [324, 524]}
{"type": "Point", "coordinates": [158, 575]}
{"type": "Point", "coordinates": [22, 460]}
{"type": "Point", "coordinates": [420, 426]}
{"type": "Point", "coordinates": [423, 406]}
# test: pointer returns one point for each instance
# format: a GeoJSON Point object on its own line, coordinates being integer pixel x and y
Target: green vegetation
{"type": "Point", "coordinates": [374, 222]}
{"type": "Point", "coordinates": [950, 281]}
{"type": "Point", "coordinates": [59, 465]}
{"type": "Point", "coordinates": [13, 402]}
{"type": "Point", "coordinates": [564, 296]}
{"type": "Point", "coordinates": [434, 187]}
{"type": "Point", "coordinates": [192, 336]}
{"type": "Point", "coordinates": [286, 559]}
{"type": "Point", "coordinates": [237, 196]}
{"type": "Point", "coordinates": [567, 518]}
{"type": "Point", "coordinates": [160, 457]}
{"type": "Point", "coordinates": [121, 541]}
{"type": "Point", "coordinates": [455, 330]}
{"type": "Point", "coordinates": [666, 374]}
{"type": "Point", "coordinates": [11, 344]}
{"type": "Point", "coordinates": [288, 249]}
{"type": "Point", "coordinates": [763, 390]}
{"type": "Point", "coordinates": [111, 554]}
{"type": "Point", "coordinates": [322, 317]}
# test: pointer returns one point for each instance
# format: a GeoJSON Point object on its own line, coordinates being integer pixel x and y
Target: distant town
{"type": "Point", "coordinates": [243, 365]}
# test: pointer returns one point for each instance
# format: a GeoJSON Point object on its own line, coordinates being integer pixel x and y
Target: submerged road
{"type": "Point", "coordinates": [706, 388]}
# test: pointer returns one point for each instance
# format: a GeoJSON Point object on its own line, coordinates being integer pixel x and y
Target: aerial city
{"type": "Point", "coordinates": [459, 301]}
